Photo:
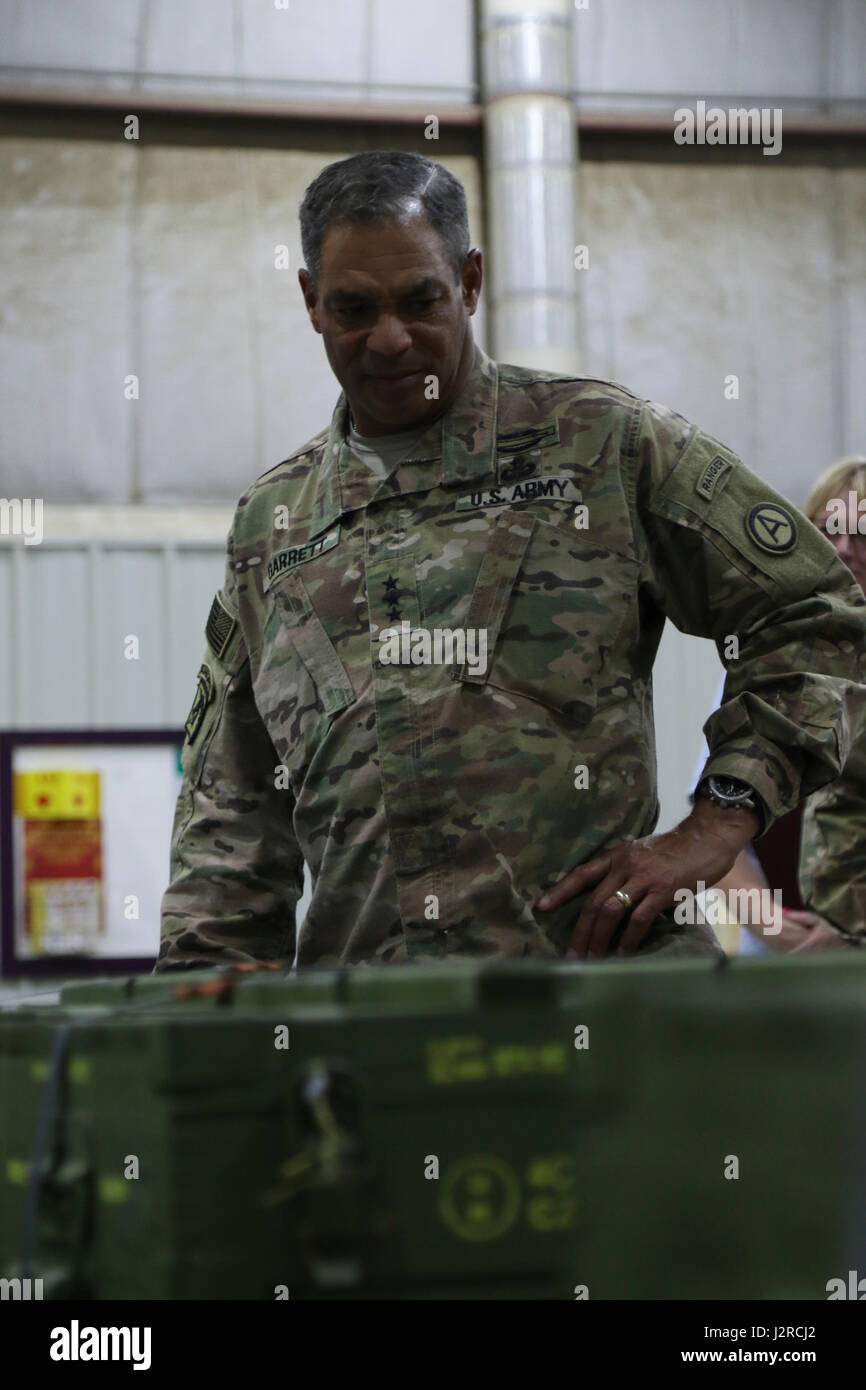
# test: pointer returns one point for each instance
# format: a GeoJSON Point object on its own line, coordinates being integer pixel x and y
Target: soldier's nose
{"type": "Point", "coordinates": [389, 337]}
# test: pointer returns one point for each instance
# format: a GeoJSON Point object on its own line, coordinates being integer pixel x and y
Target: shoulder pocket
{"type": "Point", "coordinates": [752, 525]}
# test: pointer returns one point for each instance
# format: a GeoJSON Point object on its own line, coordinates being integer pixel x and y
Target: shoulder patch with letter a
{"type": "Point", "coordinates": [772, 527]}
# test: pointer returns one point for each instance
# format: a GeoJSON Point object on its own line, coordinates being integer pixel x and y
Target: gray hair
{"type": "Point", "coordinates": [380, 185]}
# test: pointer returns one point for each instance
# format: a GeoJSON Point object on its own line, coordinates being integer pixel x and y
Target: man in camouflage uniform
{"type": "Point", "coordinates": [563, 519]}
{"type": "Point", "coordinates": [832, 866]}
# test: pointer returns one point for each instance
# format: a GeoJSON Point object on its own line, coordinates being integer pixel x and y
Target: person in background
{"type": "Point", "coordinates": [829, 829]}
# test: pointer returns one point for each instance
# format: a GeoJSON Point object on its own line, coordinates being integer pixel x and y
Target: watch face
{"type": "Point", "coordinates": [731, 788]}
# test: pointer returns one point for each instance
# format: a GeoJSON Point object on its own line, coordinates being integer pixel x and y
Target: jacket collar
{"type": "Point", "coordinates": [459, 447]}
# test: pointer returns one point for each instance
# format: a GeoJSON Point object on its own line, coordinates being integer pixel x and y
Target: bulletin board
{"type": "Point", "coordinates": [85, 833]}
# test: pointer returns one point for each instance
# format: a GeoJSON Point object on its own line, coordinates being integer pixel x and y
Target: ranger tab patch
{"type": "Point", "coordinates": [286, 560]}
{"type": "Point", "coordinates": [772, 527]}
{"type": "Point", "coordinates": [204, 693]}
{"type": "Point", "coordinates": [560, 489]}
{"type": "Point", "coordinates": [711, 475]}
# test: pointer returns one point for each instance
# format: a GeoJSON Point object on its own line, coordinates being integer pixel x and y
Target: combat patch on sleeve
{"type": "Point", "coordinates": [772, 527]}
{"type": "Point", "coordinates": [711, 475]}
{"type": "Point", "coordinates": [204, 693]}
{"type": "Point", "coordinates": [219, 628]}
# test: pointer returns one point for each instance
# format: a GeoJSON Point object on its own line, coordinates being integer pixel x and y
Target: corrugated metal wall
{"type": "Point", "coordinates": [67, 609]}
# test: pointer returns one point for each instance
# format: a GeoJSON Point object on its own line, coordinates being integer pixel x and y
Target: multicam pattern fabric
{"type": "Point", "coordinates": [435, 803]}
{"type": "Point", "coordinates": [832, 868]}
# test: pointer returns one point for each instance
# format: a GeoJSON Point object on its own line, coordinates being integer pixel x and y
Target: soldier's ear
{"type": "Point", "coordinates": [310, 297]}
{"type": "Point", "coordinates": [471, 278]}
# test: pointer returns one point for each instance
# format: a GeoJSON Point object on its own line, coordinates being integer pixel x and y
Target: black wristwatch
{"type": "Point", "coordinates": [730, 793]}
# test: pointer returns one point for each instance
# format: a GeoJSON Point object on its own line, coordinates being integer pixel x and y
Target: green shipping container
{"type": "Point", "coordinates": [510, 1130]}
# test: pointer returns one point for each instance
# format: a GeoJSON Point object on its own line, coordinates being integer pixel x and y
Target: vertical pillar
{"type": "Point", "coordinates": [531, 169]}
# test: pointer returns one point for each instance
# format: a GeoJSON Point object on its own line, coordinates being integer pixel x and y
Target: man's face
{"type": "Point", "coordinates": [392, 316]}
{"type": "Point", "coordinates": [851, 548]}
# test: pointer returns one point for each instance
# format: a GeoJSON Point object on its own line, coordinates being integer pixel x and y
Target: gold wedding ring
{"type": "Point", "coordinates": [623, 897]}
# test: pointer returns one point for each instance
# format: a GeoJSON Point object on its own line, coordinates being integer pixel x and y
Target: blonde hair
{"type": "Point", "coordinates": [841, 477]}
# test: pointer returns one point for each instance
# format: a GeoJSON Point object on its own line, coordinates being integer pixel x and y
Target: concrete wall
{"type": "Point", "coordinates": [701, 271]}
{"type": "Point", "coordinates": [159, 261]}
{"type": "Point", "coordinates": [156, 257]}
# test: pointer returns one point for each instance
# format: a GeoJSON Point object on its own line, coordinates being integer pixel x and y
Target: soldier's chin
{"type": "Point", "coordinates": [402, 404]}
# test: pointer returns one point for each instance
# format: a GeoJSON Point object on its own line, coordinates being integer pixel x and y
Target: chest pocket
{"type": "Point", "coordinates": [554, 606]}
{"type": "Point", "coordinates": [301, 682]}
{"type": "Point", "coordinates": [313, 644]}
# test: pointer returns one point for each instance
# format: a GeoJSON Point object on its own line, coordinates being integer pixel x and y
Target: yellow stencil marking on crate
{"type": "Point", "coordinates": [112, 1189]}
{"type": "Point", "coordinates": [456, 1059]}
{"type": "Point", "coordinates": [551, 1170]}
{"type": "Point", "coordinates": [480, 1197]}
{"type": "Point", "coordinates": [556, 1212]}
{"type": "Point", "coordinates": [79, 1070]}
{"type": "Point", "coordinates": [553, 1209]}
{"type": "Point", "coordinates": [518, 1059]}
{"type": "Point", "coordinates": [450, 1060]}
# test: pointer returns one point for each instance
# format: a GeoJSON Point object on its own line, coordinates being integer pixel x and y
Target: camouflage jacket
{"type": "Point", "coordinates": [832, 867]}
{"type": "Point", "coordinates": [564, 518]}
